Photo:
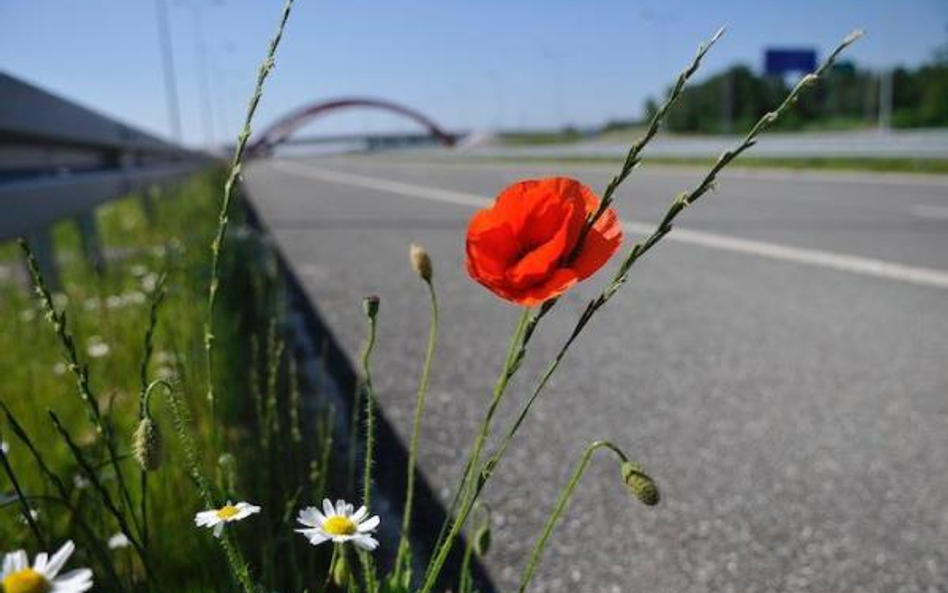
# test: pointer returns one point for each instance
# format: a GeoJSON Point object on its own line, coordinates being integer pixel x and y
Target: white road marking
{"type": "Point", "coordinates": [814, 257]}
{"type": "Point", "coordinates": [663, 170]}
{"type": "Point", "coordinates": [929, 211]}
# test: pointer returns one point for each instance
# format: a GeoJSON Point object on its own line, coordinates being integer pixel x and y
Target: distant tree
{"type": "Point", "coordinates": [733, 100]}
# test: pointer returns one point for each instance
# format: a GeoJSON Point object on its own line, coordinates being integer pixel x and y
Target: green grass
{"type": "Point", "coordinates": [540, 138]}
{"type": "Point", "coordinates": [881, 165]}
{"type": "Point", "coordinates": [172, 237]}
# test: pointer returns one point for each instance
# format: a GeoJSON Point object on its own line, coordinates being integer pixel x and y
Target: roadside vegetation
{"type": "Point", "coordinates": [156, 258]}
{"type": "Point", "coordinates": [153, 413]}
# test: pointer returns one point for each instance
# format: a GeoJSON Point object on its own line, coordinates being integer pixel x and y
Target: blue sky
{"type": "Point", "coordinates": [469, 65]}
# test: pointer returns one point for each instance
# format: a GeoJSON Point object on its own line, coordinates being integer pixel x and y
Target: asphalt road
{"type": "Point", "coordinates": [779, 363]}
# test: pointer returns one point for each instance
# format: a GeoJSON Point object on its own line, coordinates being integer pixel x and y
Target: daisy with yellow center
{"type": "Point", "coordinates": [18, 576]}
{"type": "Point", "coordinates": [339, 524]}
{"type": "Point", "coordinates": [215, 519]}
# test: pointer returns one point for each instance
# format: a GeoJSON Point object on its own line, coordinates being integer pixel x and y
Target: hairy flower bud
{"type": "Point", "coordinates": [420, 261]}
{"type": "Point", "coordinates": [147, 446]}
{"type": "Point", "coordinates": [340, 570]}
{"type": "Point", "coordinates": [370, 305]}
{"type": "Point", "coordinates": [641, 485]}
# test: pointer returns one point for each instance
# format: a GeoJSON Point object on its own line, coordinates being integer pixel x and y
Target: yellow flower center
{"type": "Point", "coordinates": [339, 526]}
{"type": "Point", "coordinates": [228, 512]}
{"type": "Point", "coordinates": [26, 581]}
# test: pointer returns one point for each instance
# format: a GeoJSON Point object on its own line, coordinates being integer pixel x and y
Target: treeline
{"type": "Point", "coordinates": [848, 98]}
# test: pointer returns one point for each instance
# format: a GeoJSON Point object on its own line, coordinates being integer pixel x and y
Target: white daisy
{"type": "Point", "coordinates": [118, 541]}
{"type": "Point", "coordinates": [339, 524]}
{"type": "Point", "coordinates": [96, 347]}
{"type": "Point", "coordinates": [226, 514]}
{"type": "Point", "coordinates": [43, 577]}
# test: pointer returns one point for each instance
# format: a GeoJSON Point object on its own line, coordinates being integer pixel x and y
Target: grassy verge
{"type": "Point", "coordinates": [108, 314]}
{"type": "Point", "coordinates": [881, 165]}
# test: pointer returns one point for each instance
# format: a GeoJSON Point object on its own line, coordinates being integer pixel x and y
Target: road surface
{"type": "Point", "coordinates": [779, 363]}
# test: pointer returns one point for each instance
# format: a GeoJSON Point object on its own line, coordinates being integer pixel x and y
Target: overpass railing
{"type": "Point", "coordinates": [58, 159]}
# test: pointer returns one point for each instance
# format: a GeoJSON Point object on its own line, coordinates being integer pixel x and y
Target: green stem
{"type": "Point", "coordinates": [80, 370]}
{"type": "Point", "coordinates": [466, 494]}
{"type": "Point", "coordinates": [229, 189]}
{"type": "Point", "coordinates": [561, 505]}
{"type": "Point", "coordinates": [369, 413]}
{"type": "Point", "coordinates": [107, 501]}
{"type": "Point", "coordinates": [640, 249]}
{"type": "Point", "coordinates": [158, 295]}
{"type": "Point", "coordinates": [98, 548]}
{"type": "Point", "coordinates": [336, 550]}
{"type": "Point", "coordinates": [419, 410]}
{"type": "Point", "coordinates": [184, 428]}
{"type": "Point", "coordinates": [24, 505]}
{"type": "Point", "coordinates": [368, 572]}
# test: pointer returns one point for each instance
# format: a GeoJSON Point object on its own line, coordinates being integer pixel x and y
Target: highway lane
{"type": "Point", "coordinates": [788, 392]}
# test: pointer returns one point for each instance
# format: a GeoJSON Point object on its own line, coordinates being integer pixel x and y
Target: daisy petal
{"type": "Point", "coordinates": [360, 514]}
{"type": "Point", "coordinates": [328, 509]}
{"type": "Point", "coordinates": [314, 536]}
{"type": "Point", "coordinates": [365, 542]}
{"type": "Point", "coordinates": [39, 565]}
{"type": "Point", "coordinates": [368, 525]}
{"type": "Point", "coordinates": [311, 517]}
{"type": "Point", "coordinates": [59, 559]}
{"type": "Point", "coordinates": [15, 561]}
{"type": "Point", "coordinates": [218, 530]}
{"type": "Point", "coordinates": [74, 581]}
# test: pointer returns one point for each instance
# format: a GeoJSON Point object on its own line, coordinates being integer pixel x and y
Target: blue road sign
{"type": "Point", "coordinates": [781, 61]}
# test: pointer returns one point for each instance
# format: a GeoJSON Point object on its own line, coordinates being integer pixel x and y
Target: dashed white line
{"type": "Point", "coordinates": [814, 257]}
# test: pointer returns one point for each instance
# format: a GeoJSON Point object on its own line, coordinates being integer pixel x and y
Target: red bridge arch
{"type": "Point", "coordinates": [280, 130]}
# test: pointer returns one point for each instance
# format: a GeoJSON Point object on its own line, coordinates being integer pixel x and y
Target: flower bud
{"type": "Point", "coordinates": [641, 485]}
{"type": "Point", "coordinates": [370, 305]}
{"type": "Point", "coordinates": [147, 446]}
{"type": "Point", "coordinates": [340, 570]}
{"type": "Point", "coordinates": [420, 261]}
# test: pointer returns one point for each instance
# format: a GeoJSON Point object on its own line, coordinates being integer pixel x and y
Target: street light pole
{"type": "Point", "coordinates": [885, 99]}
{"type": "Point", "coordinates": [167, 63]}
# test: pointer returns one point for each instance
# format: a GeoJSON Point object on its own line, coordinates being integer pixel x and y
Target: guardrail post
{"type": "Point", "coordinates": [89, 237]}
{"type": "Point", "coordinates": [41, 244]}
{"type": "Point", "coordinates": [148, 198]}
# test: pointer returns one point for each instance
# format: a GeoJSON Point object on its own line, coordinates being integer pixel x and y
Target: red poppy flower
{"type": "Point", "coordinates": [518, 248]}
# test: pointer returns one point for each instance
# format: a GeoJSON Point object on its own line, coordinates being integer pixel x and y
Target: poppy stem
{"type": "Point", "coordinates": [620, 278]}
{"type": "Point", "coordinates": [423, 382]}
{"type": "Point", "coordinates": [466, 493]}
{"type": "Point", "coordinates": [371, 315]}
{"type": "Point", "coordinates": [661, 230]}
{"type": "Point", "coordinates": [561, 505]}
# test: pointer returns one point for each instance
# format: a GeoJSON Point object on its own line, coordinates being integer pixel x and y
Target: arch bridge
{"type": "Point", "coordinates": [280, 131]}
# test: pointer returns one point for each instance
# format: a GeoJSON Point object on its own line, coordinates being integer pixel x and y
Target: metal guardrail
{"type": "Point", "coordinates": [58, 159]}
